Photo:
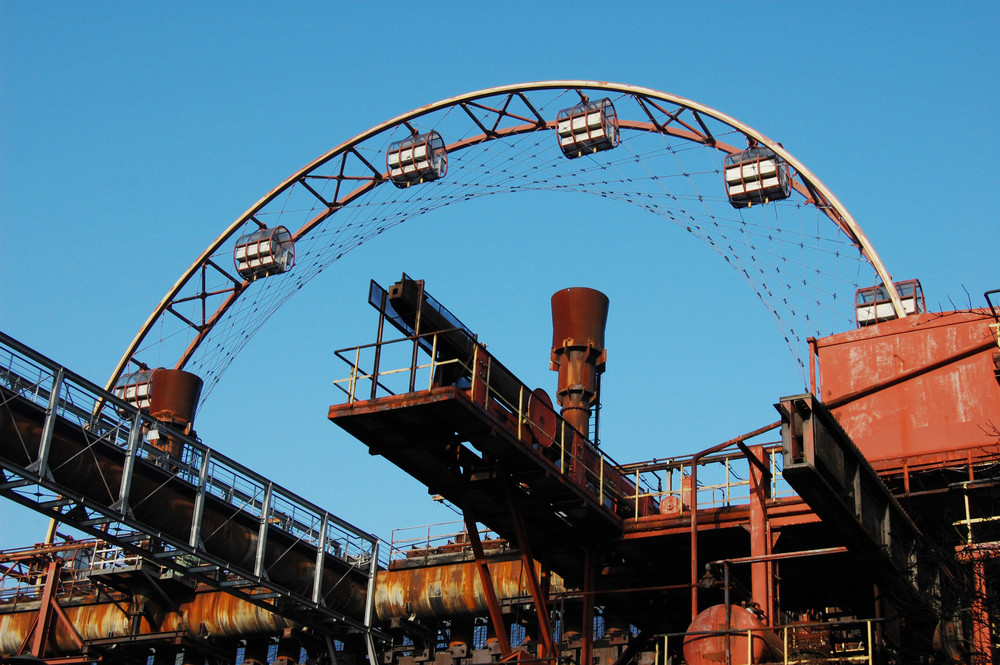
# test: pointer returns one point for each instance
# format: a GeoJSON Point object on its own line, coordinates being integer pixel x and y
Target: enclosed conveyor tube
{"type": "Point", "coordinates": [165, 503]}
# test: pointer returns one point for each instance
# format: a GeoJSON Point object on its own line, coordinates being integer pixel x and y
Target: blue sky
{"type": "Point", "coordinates": [131, 134]}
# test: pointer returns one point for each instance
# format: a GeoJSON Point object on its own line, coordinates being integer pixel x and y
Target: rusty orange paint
{"type": "Point", "coordinates": [210, 614]}
{"type": "Point", "coordinates": [446, 591]}
{"type": "Point", "coordinates": [922, 385]}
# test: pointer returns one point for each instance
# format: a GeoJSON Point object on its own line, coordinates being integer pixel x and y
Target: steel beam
{"type": "Point", "coordinates": [825, 468]}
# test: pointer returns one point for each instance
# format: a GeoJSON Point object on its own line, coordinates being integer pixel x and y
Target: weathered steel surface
{"type": "Point", "coordinates": [705, 644]}
{"type": "Point", "coordinates": [830, 473]}
{"type": "Point", "coordinates": [174, 396]}
{"type": "Point", "coordinates": [579, 316]}
{"type": "Point", "coordinates": [445, 591]}
{"type": "Point", "coordinates": [91, 621]}
{"type": "Point", "coordinates": [218, 614]}
{"type": "Point", "coordinates": [209, 614]}
{"type": "Point", "coordinates": [914, 386]}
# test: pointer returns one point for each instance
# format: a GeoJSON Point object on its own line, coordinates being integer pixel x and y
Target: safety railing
{"type": "Point", "coordinates": [109, 558]}
{"type": "Point", "coordinates": [723, 480]}
{"type": "Point", "coordinates": [428, 540]}
{"type": "Point", "coordinates": [393, 367]}
{"type": "Point", "coordinates": [138, 444]}
{"type": "Point", "coordinates": [24, 571]}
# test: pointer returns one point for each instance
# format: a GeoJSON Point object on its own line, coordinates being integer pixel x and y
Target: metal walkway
{"type": "Point", "coordinates": [74, 452]}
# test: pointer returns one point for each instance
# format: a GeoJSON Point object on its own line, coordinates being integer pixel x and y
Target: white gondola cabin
{"type": "Point", "coordinates": [588, 127]}
{"type": "Point", "coordinates": [136, 388]}
{"type": "Point", "coordinates": [756, 175]}
{"type": "Point", "coordinates": [416, 159]}
{"type": "Point", "coordinates": [264, 252]}
{"type": "Point", "coordinates": [873, 305]}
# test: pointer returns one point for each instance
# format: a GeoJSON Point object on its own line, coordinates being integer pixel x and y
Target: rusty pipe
{"type": "Point", "coordinates": [448, 591]}
{"type": "Point", "coordinates": [212, 613]}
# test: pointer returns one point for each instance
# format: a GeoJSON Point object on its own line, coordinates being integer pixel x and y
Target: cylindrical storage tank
{"type": "Point", "coordinates": [443, 592]}
{"type": "Point", "coordinates": [749, 641]}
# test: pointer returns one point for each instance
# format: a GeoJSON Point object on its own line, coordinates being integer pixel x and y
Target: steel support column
{"type": "Point", "coordinates": [489, 590]}
{"type": "Point", "coordinates": [760, 537]}
{"type": "Point", "coordinates": [528, 562]}
{"type": "Point", "coordinates": [977, 555]}
{"type": "Point", "coordinates": [589, 584]}
{"type": "Point", "coordinates": [48, 612]}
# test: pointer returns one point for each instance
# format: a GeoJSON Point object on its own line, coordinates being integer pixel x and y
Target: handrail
{"type": "Point", "coordinates": [192, 468]}
{"type": "Point", "coordinates": [431, 540]}
{"type": "Point", "coordinates": [724, 492]}
{"type": "Point", "coordinates": [513, 398]}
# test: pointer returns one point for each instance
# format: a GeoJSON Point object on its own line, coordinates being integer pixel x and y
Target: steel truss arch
{"type": "Point", "coordinates": [490, 115]}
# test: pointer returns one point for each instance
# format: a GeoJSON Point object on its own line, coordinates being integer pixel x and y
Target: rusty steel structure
{"type": "Point", "coordinates": [189, 520]}
{"type": "Point", "coordinates": [861, 526]}
{"type": "Point", "coordinates": [884, 479]}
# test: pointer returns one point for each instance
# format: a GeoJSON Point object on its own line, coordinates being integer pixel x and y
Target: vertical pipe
{"type": "Point", "coordinates": [981, 642]}
{"type": "Point", "coordinates": [597, 414]}
{"type": "Point", "coordinates": [520, 413]}
{"type": "Point", "coordinates": [434, 346]}
{"type": "Point", "coordinates": [352, 386]}
{"type": "Point", "coordinates": [587, 630]}
{"type": "Point", "coordinates": [760, 589]}
{"type": "Point", "coordinates": [475, 373]}
{"type": "Point", "coordinates": [601, 479]}
{"type": "Point", "coordinates": [868, 626]}
{"type": "Point", "coordinates": [636, 506]}
{"type": "Point", "coordinates": [729, 616]}
{"type": "Point", "coordinates": [562, 447]}
{"type": "Point", "coordinates": [694, 537]}
{"type": "Point", "coordinates": [579, 317]}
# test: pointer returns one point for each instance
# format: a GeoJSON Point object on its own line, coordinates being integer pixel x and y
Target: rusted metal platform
{"type": "Point", "coordinates": [469, 453]}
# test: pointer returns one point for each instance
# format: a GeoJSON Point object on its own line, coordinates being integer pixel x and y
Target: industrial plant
{"type": "Point", "coordinates": [861, 525]}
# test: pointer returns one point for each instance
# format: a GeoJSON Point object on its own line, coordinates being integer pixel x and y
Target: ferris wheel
{"type": "Point", "coordinates": [720, 180]}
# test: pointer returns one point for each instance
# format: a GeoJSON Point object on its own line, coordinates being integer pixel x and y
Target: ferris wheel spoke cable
{"type": "Point", "coordinates": [668, 162]}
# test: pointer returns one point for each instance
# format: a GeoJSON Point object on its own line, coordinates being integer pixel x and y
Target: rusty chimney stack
{"type": "Point", "coordinates": [579, 316]}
